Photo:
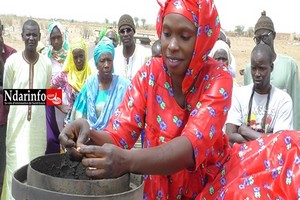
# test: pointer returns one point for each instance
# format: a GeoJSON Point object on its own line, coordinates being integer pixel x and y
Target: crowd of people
{"type": "Point", "coordinates": [196, 133]}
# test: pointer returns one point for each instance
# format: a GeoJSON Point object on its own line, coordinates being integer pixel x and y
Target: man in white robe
{"type": "Point", "coordinates": [26, 127]}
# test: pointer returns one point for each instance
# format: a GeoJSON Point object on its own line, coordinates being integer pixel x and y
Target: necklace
{"type": "Point", "coordinates": [266, 110]}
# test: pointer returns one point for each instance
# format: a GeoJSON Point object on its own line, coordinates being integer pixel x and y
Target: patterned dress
{"type": "Point", "coordinates": [151, 103]}
{"type": "Point", "coordinates": [267, 168]}
{"type": "Point", "coordinates": [69, 93]}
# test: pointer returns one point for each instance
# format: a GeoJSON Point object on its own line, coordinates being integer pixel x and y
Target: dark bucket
{"type": "Point", "coordinates": [56, 177]}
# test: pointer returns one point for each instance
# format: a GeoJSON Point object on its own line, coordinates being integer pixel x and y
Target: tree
{"type": "Point", "coordinates": [239, 30]}
{"type": "Point", "coordinates": [106, 21]}
{"type": "Point", "coordinates": [115, 24]}
{"type": "Point", "coordinates": [250, 32]}
{"type": "Point", "coordinates": [143, 21]}
{"type": "Point", "coordinates": [136, 19]}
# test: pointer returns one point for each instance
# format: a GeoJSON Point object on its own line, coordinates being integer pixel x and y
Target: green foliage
{"type": "Point", "coordinates": [136, 20]}
{"type": "Point", "coordinates": [114, 24]}
{"type": "Point", "coordinates": [143, 21]}
{"type": "Point", "coordinates": [239, 30]}
{"type": "Point", "coordinates": [250, 32]}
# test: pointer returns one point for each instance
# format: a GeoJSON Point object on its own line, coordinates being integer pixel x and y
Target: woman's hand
{"type": "Point", "coordinates": [107, 161]}
{"type": "Point", "coordinates": [74, 135]}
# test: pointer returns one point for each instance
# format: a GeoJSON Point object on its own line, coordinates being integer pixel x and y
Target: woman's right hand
{"type": "Point", "coordinates": [74, 135]}
{"type": "Point", "coordinates": [106, 161]}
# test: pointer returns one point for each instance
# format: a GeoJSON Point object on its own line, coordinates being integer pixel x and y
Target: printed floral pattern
{"type": "Point", "coordinates": [252, 174]}
{"type": "Point", "coordinates": [149, 108]}
{"type": "Point", "coordinates": [153, 108]}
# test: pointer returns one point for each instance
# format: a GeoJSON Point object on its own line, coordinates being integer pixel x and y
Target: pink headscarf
{"type": "Point", "coordinates": [204, 15]}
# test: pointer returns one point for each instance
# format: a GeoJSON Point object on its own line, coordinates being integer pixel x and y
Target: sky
{"type": "Point", "coordinates": [285, 14]}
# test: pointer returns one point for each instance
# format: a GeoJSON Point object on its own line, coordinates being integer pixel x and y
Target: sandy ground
{"type": "Point", "coordinates": [241, 46]}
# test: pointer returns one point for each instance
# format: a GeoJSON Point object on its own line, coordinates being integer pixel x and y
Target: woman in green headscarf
{"type": "Point", "coordinates": [111, 34]}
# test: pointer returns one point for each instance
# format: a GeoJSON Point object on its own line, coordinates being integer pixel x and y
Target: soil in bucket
{"type": "Point", "coordinates": [63, 167]}
{"type": "Point", "coordinates": [57, 172]}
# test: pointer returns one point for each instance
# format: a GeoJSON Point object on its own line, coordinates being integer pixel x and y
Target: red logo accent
{"type": "Point", "coordinates": [54, 97]}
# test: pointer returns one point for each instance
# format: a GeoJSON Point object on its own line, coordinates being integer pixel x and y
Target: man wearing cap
{"type": "Point", "coordinates": [129, 56]}
{"type": "Point", "coordinates": [285, 74]}
{"type": "Point", "coordinates": [5, 52]}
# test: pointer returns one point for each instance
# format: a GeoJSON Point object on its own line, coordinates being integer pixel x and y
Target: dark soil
{"type": "Point", "coordinates": [60, 165]}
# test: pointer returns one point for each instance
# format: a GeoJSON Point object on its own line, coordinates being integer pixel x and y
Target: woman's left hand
{"type": "Point", "coordinates": [107, 161]}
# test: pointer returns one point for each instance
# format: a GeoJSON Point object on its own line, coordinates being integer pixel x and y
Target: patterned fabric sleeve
{"type": "Point", "coordinates": [204, 126]}
{"type": "Point", "coordinates": [60, 80]}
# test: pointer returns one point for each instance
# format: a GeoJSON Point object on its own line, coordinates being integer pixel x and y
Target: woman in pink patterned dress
{"type": "Point", "coordinates": [180, 102]}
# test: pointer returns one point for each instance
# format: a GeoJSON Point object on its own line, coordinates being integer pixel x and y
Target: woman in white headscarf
{"type": "Point", "coordinates": [57, 50]}
{"type": "Point", "coordinates": [221, 52]}
{"type": "Point", "coordinates": [57, 47]}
